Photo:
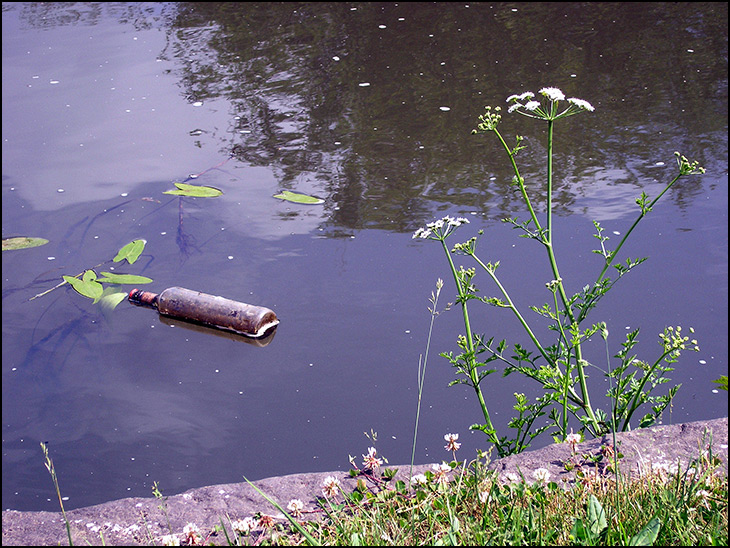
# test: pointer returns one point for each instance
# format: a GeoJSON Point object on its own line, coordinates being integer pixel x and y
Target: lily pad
{"type": "Point", "coordinates": [298, 198]}
{"type": "Point", "coordinates": [22, 242]}
{"type": "Point", "coordinates": [195, 191]}
{"type": "Point", "coordinates": [131, 251]}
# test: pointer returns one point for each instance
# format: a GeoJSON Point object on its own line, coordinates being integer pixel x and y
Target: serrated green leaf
{"type": "Point", "coordinates": [298, 198]}
{"type": "Point", "coordinates": [131, 251]}
{"type": "Point", "coordinates": [87, 286]}
{"type": "Point", "coordinates": [195, 191]}
{"type": "Point", "coordinates": [112, 278]}
{"type": "Point", "coordinates": [22, 242]}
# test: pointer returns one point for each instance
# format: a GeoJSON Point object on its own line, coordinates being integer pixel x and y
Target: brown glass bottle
{"type": "Point", "coordinates": [211, 310]}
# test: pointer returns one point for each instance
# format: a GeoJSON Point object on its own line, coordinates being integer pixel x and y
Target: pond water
{"type": "Point", "coordinates": [369, 107]}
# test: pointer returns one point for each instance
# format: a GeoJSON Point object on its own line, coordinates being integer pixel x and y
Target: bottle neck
{"type": "Point", "coordinates": [143, 298]}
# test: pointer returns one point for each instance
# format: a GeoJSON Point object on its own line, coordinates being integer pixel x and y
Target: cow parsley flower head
{"type": "Point", "coordinates": [546, 107]}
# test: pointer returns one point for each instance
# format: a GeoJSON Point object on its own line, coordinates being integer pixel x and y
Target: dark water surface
{"type": "Point", "coordinates": [369, 107]}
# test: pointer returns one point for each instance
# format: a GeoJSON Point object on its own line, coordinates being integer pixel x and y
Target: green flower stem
{"type": "Point", "coordinates": [635, 403]}
{"type": "Point", "coordinates": [519, 179]}
{"type": "Point", "coordinates": [473, 375]}
{"type": "Point", "coordinates": [644, 211]}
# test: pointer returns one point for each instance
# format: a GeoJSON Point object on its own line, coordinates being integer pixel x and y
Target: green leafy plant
{"type": "Point", "coordinates": [560, 367]}
{"type": "Point", "coordinates": [296, 198]}
{"type": "Point", "coordinates": [194, 191]}
{"type": "Point", "coordinates": [88, 284]}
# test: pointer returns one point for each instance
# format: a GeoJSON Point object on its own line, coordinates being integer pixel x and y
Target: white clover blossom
{"type": "Point", "coordinates": [451, 443]}
{"type": "Point", "coordinates": [440, 472]}
{"type": "Point", "coordinates": [191, 533]}
{"type": "Point", "coordinates": [330, 487]}
{"type": "Point", "coordinates": [370, 461]}
{"type": "Point", "coordinates": [295, 506]}
{"type": "Point", "coordinates": [244, 526]}
{"type": "Point", "coordinates": [553, 94]}
{"type": "Point", "coordinates": [511, 477]}
{"type": "Point", "coordinates": [170, 540]}
{"type": "Point", "coordinates": [541, 474]}
{"type": "Point", "coordinates": [419, 480]}
{"type": "Point", "coordinates": [572, 439]}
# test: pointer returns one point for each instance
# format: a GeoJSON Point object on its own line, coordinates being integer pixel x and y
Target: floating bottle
{"type": "Point", "coordinates": [210, 310]}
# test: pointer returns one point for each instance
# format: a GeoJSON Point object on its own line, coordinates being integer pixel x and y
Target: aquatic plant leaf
{"type": "Point", "coordinates": [195, 191]}
{"type": "Point", "coordinates": [131, 251]}
{"type": "Point", "coordinates": [22, 242]}
{"type": "Point", "coordinates": [298, 198]}
{"type": "Point", "coordinates": [112, 278]}
{"type": "Point", "coordinates": [110, 299]}
{"type": "Point", "coordinates": [87, 285]}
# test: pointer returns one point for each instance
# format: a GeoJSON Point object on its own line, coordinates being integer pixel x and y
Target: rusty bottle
{"type": "Point", "coordinates": [211, 310]}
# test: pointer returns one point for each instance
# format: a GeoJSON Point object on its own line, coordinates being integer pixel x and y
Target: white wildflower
{"type": "Point", "coordinates": [244, 526]}
{"type": "Point", "coordinates": [580, 103]}
{"type": "Point", "coordinates": [170, 540]}
{"type": "Point", "coordinates": [419, 480]}
{"type": "Point", "coordinates": [553, 94]}
{"type": "Point", "coordinates": [532, 105]}
{"type": "Point", "coordinates": [440, 472]}
{"type": "Point", "coordinates": [330, 487]}
{"type": "Point", "coordinates": [541, 474]}
{"type": "Point", "coordinates": [451, 443]}
{"type": "Point", "coordinates": [295, 506]}
{"type": "Point", "coordinates": [522, 97]}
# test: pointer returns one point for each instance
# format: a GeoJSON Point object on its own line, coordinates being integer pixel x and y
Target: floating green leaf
{"type": "Point", "coordinates": [195, 191]}
{"type": "Point", "coordinates": [22, 242]}
{"type": "Point", "coordinates": [131, 251]}
{"type": "Point", "coordinates": [112, 278]}
{"type": "Point", "coordinates": [87, 285]}
{"type": "Point", "coordinates": [298, 198]}
{"type": "Point", "coordinates": [111, 299]}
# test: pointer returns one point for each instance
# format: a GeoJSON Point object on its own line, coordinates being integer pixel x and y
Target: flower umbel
{"type": "Point", "coordinates": [440, 229]}
{"type": "Point", "coordinates": [547, 108]}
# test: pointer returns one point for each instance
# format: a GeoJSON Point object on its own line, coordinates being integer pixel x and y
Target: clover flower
{"type": "Point", "coordinates": [244, 526]}
{"type": "Point", "coordinates": [295, 506]}
{"type": "Point", "coordinates": [572, 439]}
{"type": "Point", "coordinates": [541, 474]}
{"type": "Point", "coordinates": [191, 534]}
{"type": "Point", "coordinates": [440, 472]}
{"type": "Point", "coordinates": [170, 540]}
{"type": "Point", "coordinates": [451, 443]}
{"type": "Point", "coordinates": [419, 480]}
{"type": "Point", "coordinates": [370, 461]}
{"type": "Point", "coordinates": [330, 487]}
{"type": "Point", "coordinates": [266, 521]}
